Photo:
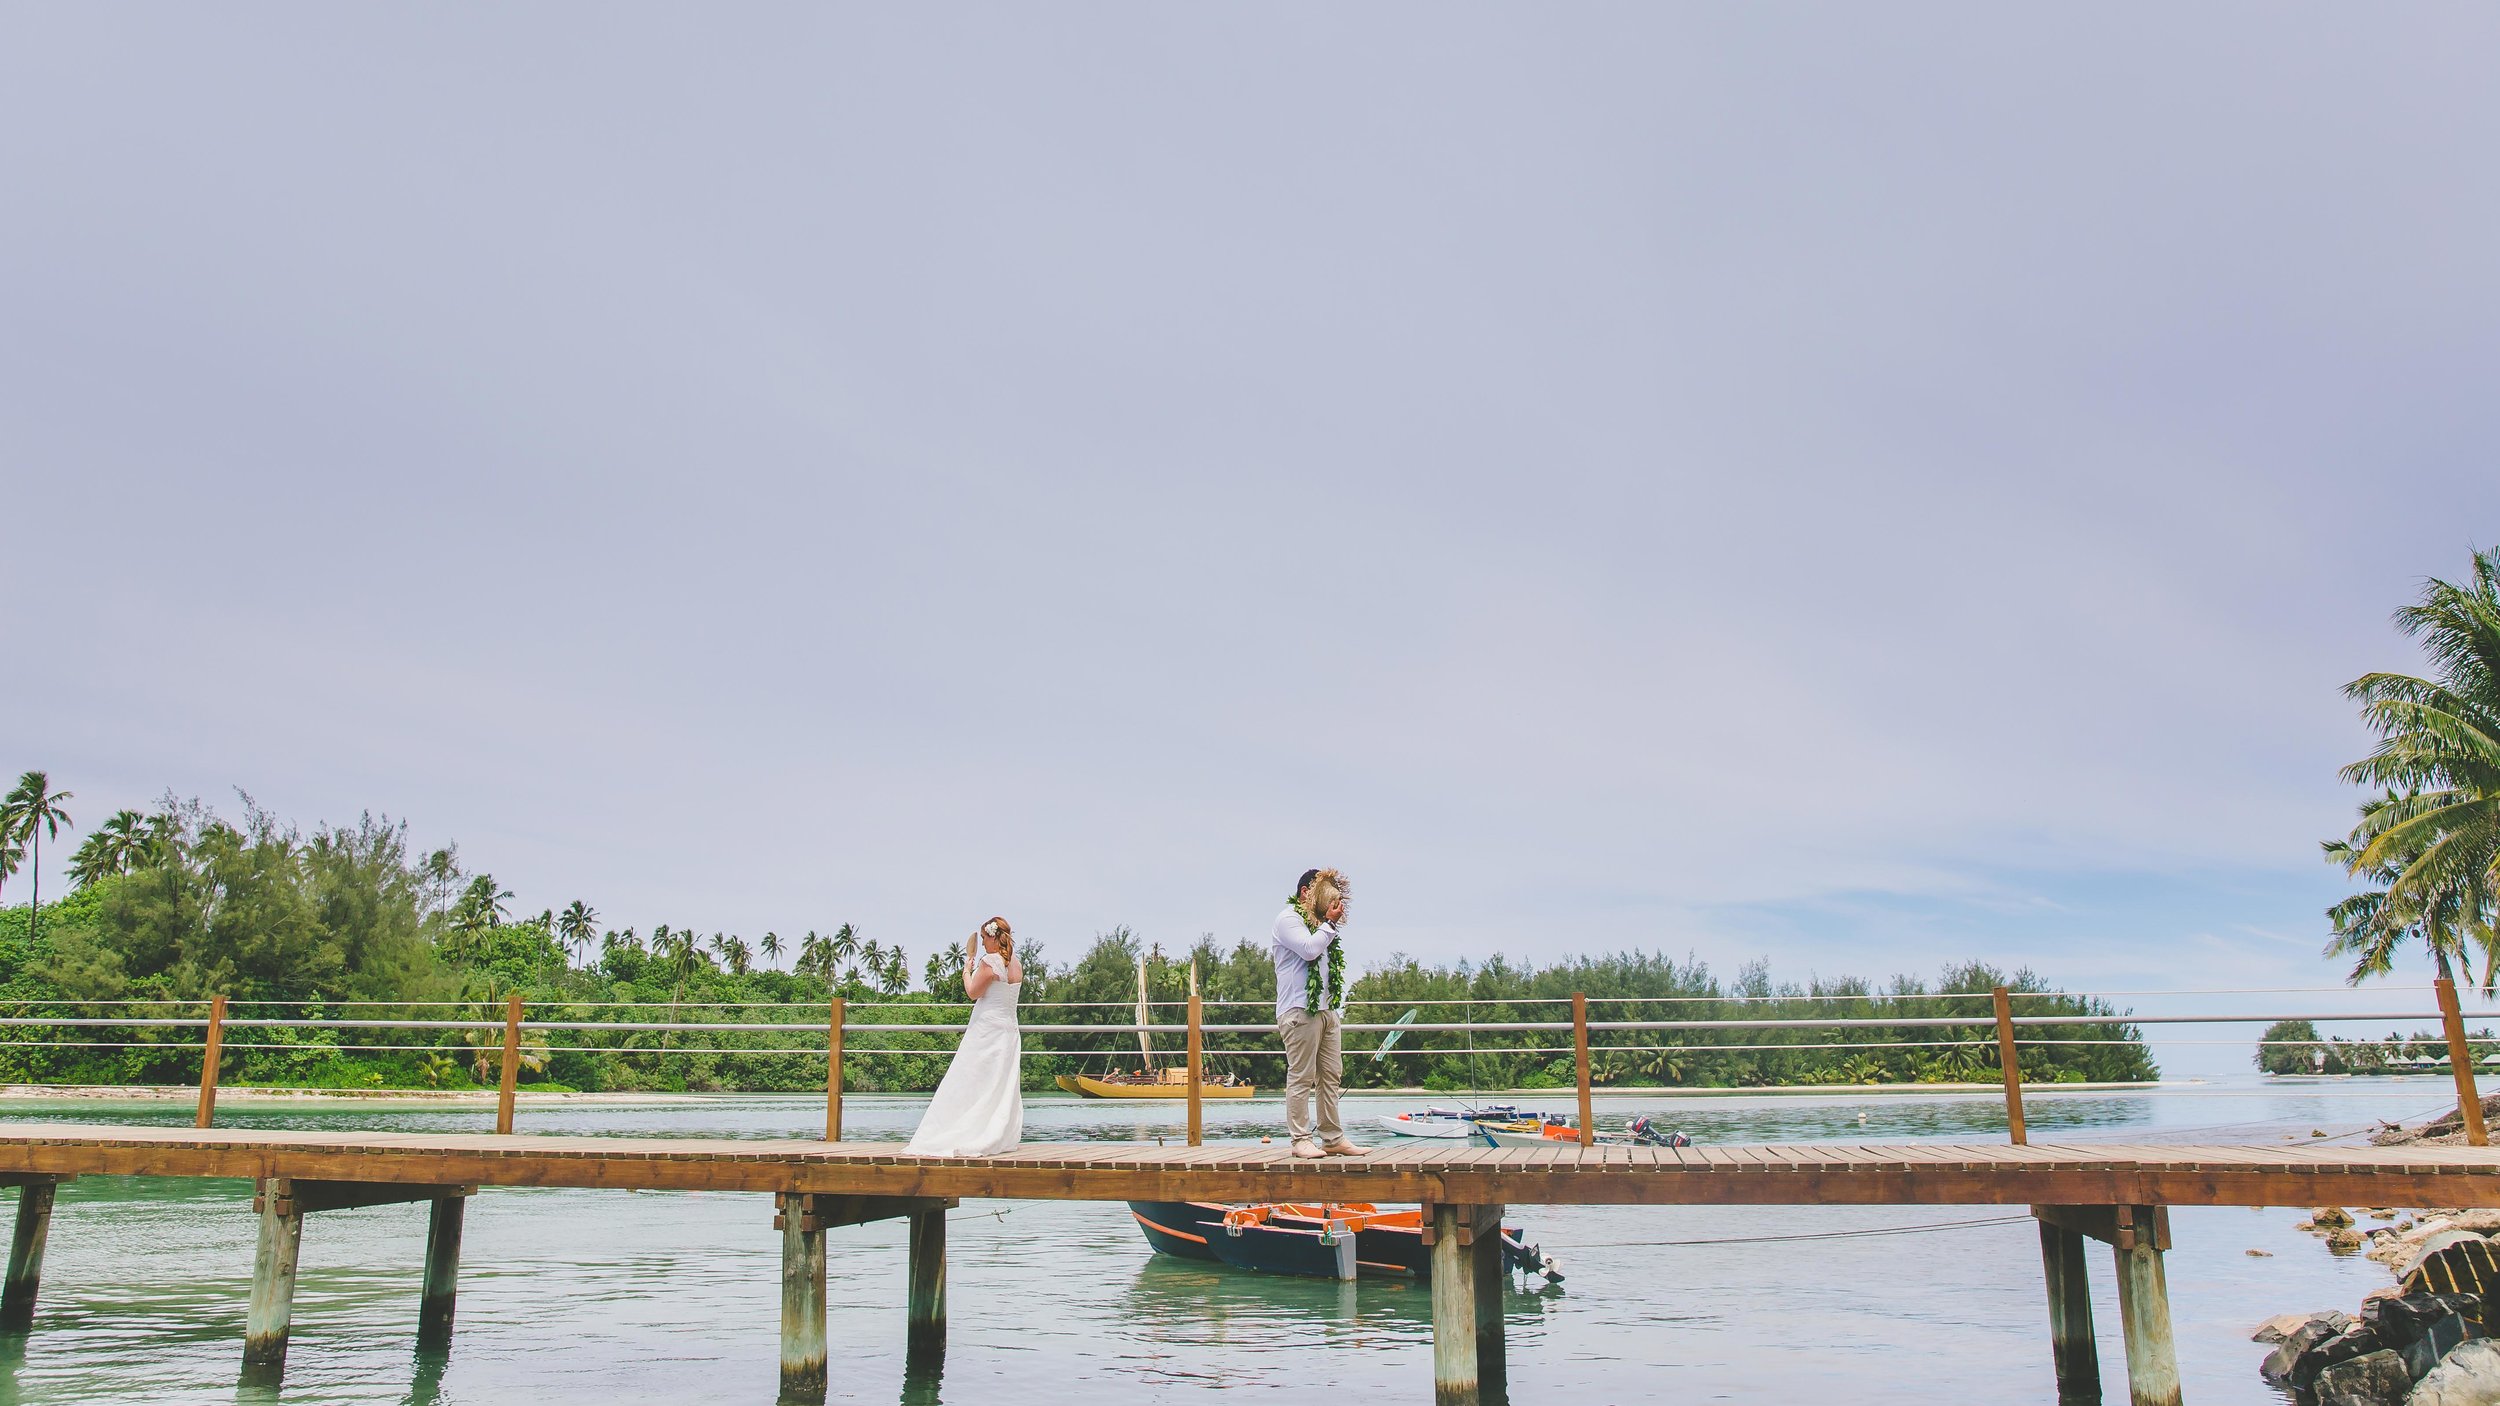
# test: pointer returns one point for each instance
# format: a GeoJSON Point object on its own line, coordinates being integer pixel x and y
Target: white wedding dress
{"type": "Point", "coordinates": [978, 1109]}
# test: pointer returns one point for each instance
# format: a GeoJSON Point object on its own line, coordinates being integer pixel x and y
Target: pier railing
{"type": "Point", "coordinates": [511, 1037]}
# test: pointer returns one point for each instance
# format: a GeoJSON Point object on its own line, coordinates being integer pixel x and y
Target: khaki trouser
{"type": "Point", "coordinates": [1314, 1058]}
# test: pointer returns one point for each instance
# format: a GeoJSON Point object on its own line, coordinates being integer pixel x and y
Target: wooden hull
{"type": "Point", "coordinates": [1091, 1087]}
{"type": "Point", "coordinates": [1296, 1240]}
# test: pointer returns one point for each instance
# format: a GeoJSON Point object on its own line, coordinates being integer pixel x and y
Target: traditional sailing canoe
{"type": "Point", "coordinates": [1161, 1083]}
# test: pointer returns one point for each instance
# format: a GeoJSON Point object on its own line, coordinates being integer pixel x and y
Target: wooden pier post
{"type": "Point", "coordinates": [833, 1074]}
{"type": "Point", "coordinates": [1467, 1339]}
{"type": "Point", "coordinates": [802, 1297]}
{"type": "Point", "coordinates": [440, 1294]}
{"type": "Point", "coordinates": [273, 1273]}
{"type": "Point", "coordinates": [1580, 1052]}
{"type": "Point", "coordinates": [2011, 1063]}
{"type": "Point", "coordinates": [2144, 1309]}
{"type": "Point", "coordinates": [511, 1081]}
{"type": "Point", "coordinates": [2071, 1345]}
{"type": "Point", "coordinates": [925, 1301]}
{"type": "Point", "coordinates": [1197, 1071]}
{"type": "Point", "coordinates": [215, 1048]}
{"type": "Point", "coordinates": [2461, 1063]}
{"type": "Point", "coordinates": [34, 1226]}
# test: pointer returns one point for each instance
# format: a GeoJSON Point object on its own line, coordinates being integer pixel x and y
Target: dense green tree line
{"type": "Point", "coordinates": [349, 921]}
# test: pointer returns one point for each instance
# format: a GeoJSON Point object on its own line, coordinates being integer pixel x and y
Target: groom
{"type": "Point", "coordinates": [1310, 1004]}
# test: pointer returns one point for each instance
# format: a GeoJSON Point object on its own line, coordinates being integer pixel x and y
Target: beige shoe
{"type": "Point", "coordinates": [1343, 1148]}
{"type": "Point", "coordinates": [1305, 1148]}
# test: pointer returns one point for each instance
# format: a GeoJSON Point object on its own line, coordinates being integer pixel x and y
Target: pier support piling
{"type": "Point", "coordinates": [34, 1226]}
{"type": "Point", "coordinates": [802, 1297]}
{"type": "Point", "coordinates": [925, 1309]}
{"type": "Point", "coordinates": [273, 1273]}
{"type": "Point", "coordinates": [1468, 1366]}
{"type": "Point", "coordinates": [439, 1296]}
{"type": "Point", "coordinates": [2137, 1235]}
{"type": "Point", "coordinates": [2144, 1310]}
{"type": "Point", "coordinates": [2071, 1344]}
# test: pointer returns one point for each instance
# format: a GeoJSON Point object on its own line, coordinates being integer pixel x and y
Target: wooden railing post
{"type": "Point", "coordinates": [2461, 1063]}
{"type": "Point", "coordinates": [2011, 1063]}
{"type": "Point", "coordinates": [511, 1064]}
{"type": "Point", "coordinates": [1197, 1113]}
{"type": "Point", "coordinates": [833, 1074]}
{"type": "Point", "coordinates": [215, 1051]}
{"type": "Point", "coordinates": [1580, 1051]}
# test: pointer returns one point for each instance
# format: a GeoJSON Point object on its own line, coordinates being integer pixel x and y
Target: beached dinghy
{"type": "Point", "coordinates": [1335, 1240]}
{"type": "Point", "coordinates": [1452, 1123]}
{"type": "Point", "coordinates": [1545, 1132]}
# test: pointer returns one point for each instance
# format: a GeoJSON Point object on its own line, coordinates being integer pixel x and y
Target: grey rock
{"type": "Point", "coordinates": [2469, 1376]}
{"type": "Point", "coordinates": [2359, 1340]}
{"type": "Point", "coordinates": [2372, 1379]}
{"type": "Point", "coordinates": [2438, 1338]}
{"type": "Point", "coordinates": [2320, 1328]}
{"type": "Point", "coordinates": [2401, 1319]}
{"type": "Point", "coordinates": [2283, 1325]}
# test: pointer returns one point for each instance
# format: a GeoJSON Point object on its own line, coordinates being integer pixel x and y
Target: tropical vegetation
{"type": "Point", "coordinates": [353, 922]}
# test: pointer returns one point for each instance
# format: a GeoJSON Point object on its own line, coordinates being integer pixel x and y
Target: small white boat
{"type": "Point", "coordinates": [1432, 1125]}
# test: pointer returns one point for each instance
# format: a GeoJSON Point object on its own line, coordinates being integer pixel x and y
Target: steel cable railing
{"type": "Point", "coordinates": [826, 1033]}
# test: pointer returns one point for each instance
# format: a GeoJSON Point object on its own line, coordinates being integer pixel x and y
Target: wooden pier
{"type": "Point", "coordinates": [2117, 1195]}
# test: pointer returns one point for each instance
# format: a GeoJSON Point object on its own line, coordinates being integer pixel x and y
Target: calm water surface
{"type": "Point", "coordinates": [607, 1297]}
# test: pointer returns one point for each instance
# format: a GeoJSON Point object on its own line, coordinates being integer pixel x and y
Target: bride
{"type": "Point", "coordinates": [978, 1109]}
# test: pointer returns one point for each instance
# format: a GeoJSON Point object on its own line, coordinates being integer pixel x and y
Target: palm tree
{"type": "Point", "coordinates": [738, 956]}
{"type": "Point", "coordinates": [894, 973]}
{"type": "Point", "coordinates": [32, 813]}
{"type": "Point", "coordinates": [771, 947]}
{"type": "Point", "coordinates": [579, 924]}
{"type": "Point", "coordinates": [2371, 925]}
{"type": "Point", "coordinates": [2436, 834]}
{"type": "Point", "coordinates": [481, 906]}
{"type": "Point", "coordinates": [841, 951]}
{"type": "Point", "coordinates": [115, 847]}
{"type": "Point", "coordinates": [811, 953]}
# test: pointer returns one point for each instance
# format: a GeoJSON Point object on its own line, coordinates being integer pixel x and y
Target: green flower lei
{"type": "Point", "coordinates": [1334, 960]}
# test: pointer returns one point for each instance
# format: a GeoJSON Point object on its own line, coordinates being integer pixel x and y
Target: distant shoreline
{"type": "Point", "coordinates": [233, 1094]}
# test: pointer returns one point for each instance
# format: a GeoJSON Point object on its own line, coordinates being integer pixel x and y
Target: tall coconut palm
{"type": "Point", "coordinates": [2436, 835]}
{"type": "Point", "coordinates": [841, 951]}
{"type": "Point", "coordinates": [770, 947]}
{"type": "Point", "coordinates": [481, 905]}
{"type": "Point", "coordinates": [579, 926]}
{"type": "Point", "coordinates": [115, 847]}
{"type": "Point", "coordinates": [2375, 924]}
{"type": "Point", "coordinates": [811, 953]}
{"type": "Point", "coordinates": [32, 813]}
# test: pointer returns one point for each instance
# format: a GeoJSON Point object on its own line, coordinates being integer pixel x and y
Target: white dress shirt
{"type": "Point", "coordinates": [1297, 947]}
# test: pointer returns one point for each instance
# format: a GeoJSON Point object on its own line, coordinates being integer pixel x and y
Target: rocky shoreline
{"type": "Point", "coordinates": [2431, 1338]}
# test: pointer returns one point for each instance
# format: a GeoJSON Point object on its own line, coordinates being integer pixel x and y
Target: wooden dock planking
{"type": "Point", "coordinates": [1913, 1173]}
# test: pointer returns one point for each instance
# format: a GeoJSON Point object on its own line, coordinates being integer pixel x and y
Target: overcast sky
{"type": "Point", "coordinates": [1861, 486]}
